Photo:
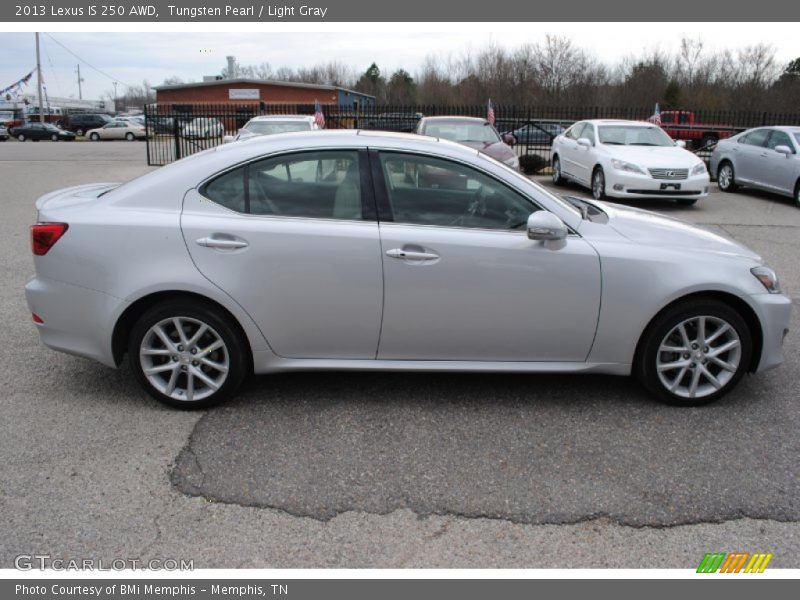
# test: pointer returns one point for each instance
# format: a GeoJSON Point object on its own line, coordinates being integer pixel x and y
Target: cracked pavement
{"type": "Point", "coordinates": [379, 470]}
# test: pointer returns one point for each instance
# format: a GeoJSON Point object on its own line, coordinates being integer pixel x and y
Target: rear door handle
{"type": "Point", "coordinates": [226, 244]}
{"type": "Point", "coordinates": [410, 254]}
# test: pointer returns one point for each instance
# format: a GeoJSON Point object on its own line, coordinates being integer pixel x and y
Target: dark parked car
{"type": "Point", "coordinates": [41, 131]}
{"type": "Point", "coordinates": [394, 121]}
{"type": "Point", "coordinates": [161, 124]}
{"type": "Point", "coordinates": [537, 133]}
{"type": "Point", "coordinates": [82, 123]}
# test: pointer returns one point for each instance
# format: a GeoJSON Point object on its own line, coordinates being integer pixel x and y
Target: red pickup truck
{"type": "Point", "coordinates": [682, 125]}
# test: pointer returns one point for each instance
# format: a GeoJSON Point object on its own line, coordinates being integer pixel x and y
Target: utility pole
{"type": "Point", "coordinates": [39, 79]}
{"type": "Point", "coordinates": [115, 97]}
{"type": "Point", "coordinates": [80, 95]}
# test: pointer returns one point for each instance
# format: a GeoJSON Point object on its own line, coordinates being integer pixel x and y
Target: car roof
{"type": "Point", "coordinates": [454, 118]}
{"type": "Point", "coordinates": [283, 118]}
{"type": "Point", "coordinates": [619, 122]}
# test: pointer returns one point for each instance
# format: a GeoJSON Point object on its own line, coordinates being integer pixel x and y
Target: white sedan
{"type": "Point", "coordinates": [628, 159]}
{"type": "Point", "coordinates": [117, 130]}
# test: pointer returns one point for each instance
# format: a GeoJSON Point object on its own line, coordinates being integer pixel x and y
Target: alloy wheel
{"type": "Point", "coordinates": [184, 358]}
{"type": "Point", "coordinates": [725, 177]}
{"type": "Point", "coordinates": [698, 356]}
{"type": "Point", "coordinates": [598, 185]}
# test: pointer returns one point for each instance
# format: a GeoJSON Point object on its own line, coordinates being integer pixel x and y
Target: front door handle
{"type": "Point", "coordinates": [410, 254]}
{"type": "Point", "coordinates": [225, 244]}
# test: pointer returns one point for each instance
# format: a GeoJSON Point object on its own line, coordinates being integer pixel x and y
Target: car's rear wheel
{"type": "Point", "coordinates": [598, 184]}
{"type": "Point", "coordinates": [21, 137]}
{"type": "Point", "coordinates": [95, 137]}
{"type": "Point", "coordinates": [187, 354]}
{"type": "Point", "coordinates": [694, 352]}
{"type": "Point", "coordinates": [79, 131]}
{"type": "Point", "coordinates": [557, 178]}
{"type": "Point", "coordinates": [726, 179]}
{"type": "Point", "coordinates": [130, 137]}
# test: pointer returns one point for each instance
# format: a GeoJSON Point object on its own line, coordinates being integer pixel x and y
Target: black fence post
{"type": "Point", "coordinates": [176, 137]}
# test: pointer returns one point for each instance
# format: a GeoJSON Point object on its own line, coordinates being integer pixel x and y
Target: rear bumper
{"type": "Point", "coordinates": [77, 320]}
{"type": "Point", "coordinates": [774, 312]}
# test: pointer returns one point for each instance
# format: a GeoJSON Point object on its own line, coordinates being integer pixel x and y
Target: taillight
{"type": "Point", "coordinates": [45, 235]}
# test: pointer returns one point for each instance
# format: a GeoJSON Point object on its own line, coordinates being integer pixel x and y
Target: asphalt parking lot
{"type": "Point", "coordinates": [387, 470]}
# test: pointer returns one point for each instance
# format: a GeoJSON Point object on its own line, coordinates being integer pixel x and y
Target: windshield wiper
{"type": "Point", "coordinates": [644, 144]}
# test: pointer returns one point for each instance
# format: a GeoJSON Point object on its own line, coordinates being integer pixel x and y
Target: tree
{"type": "Point", "coordinates": [401, 88]}
{"type": "Point", "coordinates": [372, 83]}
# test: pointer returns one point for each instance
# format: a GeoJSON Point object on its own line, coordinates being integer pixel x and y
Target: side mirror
{"type": "Point", "coordinates": [227, 139]}
{"type": "Point", "coordinates": [785, 150]}
{"type": "Point", "coordinates": [545, 226]}
{"type": "Point", "coordinates": [509, 139]}
{"type": "Point", "coordinates": [585, 142]}
{"type": "Point", "coordinates": [681, 143]}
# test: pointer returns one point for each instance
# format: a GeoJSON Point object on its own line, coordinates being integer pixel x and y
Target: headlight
{"type": "Point", "coordinates": [699, 169]}
{"type": "Point", "coordinates": [512, 162]}
{"type": "Point", "coordinates": [621, 165]}
{"type": "Point", "coordinates": [768, 278]}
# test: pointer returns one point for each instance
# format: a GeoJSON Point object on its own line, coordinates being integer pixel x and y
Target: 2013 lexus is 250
{"type": "Point", "coordinates": [376, 251]}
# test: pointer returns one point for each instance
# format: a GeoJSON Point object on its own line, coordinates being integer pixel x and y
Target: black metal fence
{"type": "Point", "coordinates": [178, 130]}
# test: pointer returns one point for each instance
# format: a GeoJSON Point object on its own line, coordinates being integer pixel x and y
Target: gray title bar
{"type": "Point", "coordinates": [356, 589]}
{"type": "Point", "coordinates": [154, 11]}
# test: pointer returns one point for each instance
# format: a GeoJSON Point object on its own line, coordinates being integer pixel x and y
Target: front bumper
{"type": "Point", "coordinates": [774, 312]}
{"type": "Point", "coordinates": [621, 184]}
{"type": "Point", "coordinates": [77, 320]}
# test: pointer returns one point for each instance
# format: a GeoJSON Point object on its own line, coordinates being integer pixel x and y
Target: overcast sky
{"type": "Point", "coordinates": [132, 57]}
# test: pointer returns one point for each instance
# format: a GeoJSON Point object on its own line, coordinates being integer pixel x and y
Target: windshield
{"type": "Point", "coordinates": [634, 135]}
{"type": "Point", "coordinates": [463, 132]}
{"type": "Point", "coordinates": [6, 115]}
{"type": "Point", "coordinates": [270, 127]}
{"type": "Point", "coordinates": [797, 137]}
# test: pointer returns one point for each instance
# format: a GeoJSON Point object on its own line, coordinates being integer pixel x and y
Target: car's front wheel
{"type": "Point", "coordinates": [130, 137]}
{"type": "Point", "coordinates": [598, 184]}
{"type": "Point", "coordinates": [95, 137]}
{"type": "Point", "coordinates": [557, 177]}
{"type": "Point", "coordinates": [21, 137]}
{"type": "Point", "coordinates": [187, 354]}
{"type": "Point", "coordinates": [79, 131]}
{"type": "Point", "coordinates": [694, 352]}
{"type": "Point", "coordinates": [54, 137]}
{"type": "Point", "coordinates": [726, 180]}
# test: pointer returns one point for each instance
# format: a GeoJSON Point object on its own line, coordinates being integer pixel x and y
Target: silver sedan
{"type": "Point", "coordinates": [374, 251]}
{"type": "Point", "coordinates": [766, 157]}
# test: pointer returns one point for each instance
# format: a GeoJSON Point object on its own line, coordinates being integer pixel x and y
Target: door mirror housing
{"type": "Point", "coordinates": [785, 150]}
{"type": "Point", "coordinates": [545, 226]}
{"type": "Point", "coordinates": [681, 144]}
{"type": "Point", "coordinates": [585, 142]}
{"type": "Point", "coordinates": [509, 139]}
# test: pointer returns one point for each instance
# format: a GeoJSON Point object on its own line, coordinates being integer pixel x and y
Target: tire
{"type": "Point", "coordinates": [797, 194]}
{"type": "Point", "coordinates": [130, 137]}
{"type": "Point", "coordinates": [21, 137]}
{"type": "Point", "coordinates": [598, 184]}
{"type": "Point", "coordinates": [95, 137]}
{"type": "Point", "coordinates": [54, 137]}
{"type": "Point", "coordinates": [726, 177]}
{"type": "Point", "coordinates": [687, 201]}
{"type": "Point", "coordinates": [683, 378]}
{"type": "Point", "coordinates": [80, 131]}
{"type": "Point", "coordinates": [557, 178]}
{"type": "Point", "coordinates": [178, 362]}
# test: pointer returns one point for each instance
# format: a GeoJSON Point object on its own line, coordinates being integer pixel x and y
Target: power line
{"type": "Point", "coordinates": [103, 73]}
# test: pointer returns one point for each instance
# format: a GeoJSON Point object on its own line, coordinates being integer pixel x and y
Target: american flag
{"type": "Point", "coordinates": [319, 118]}
{"type": "Point", "coordinates": [656, 118]}
{"type": "Point", "coordinates": [490, 112]}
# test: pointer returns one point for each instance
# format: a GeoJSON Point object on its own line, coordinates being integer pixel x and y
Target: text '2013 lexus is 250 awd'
{"type": "Point", "coordinates": [374, 251]}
